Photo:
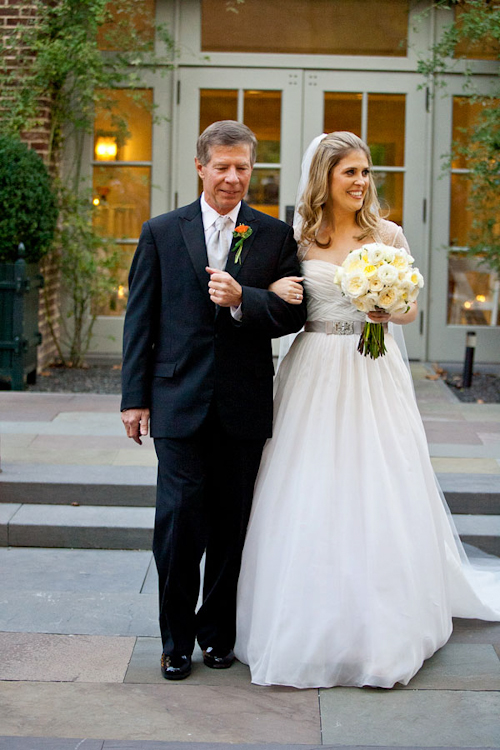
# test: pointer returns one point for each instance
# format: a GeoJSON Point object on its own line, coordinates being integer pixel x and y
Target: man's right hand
{"type": "Point", "coordinates": [136, 423]}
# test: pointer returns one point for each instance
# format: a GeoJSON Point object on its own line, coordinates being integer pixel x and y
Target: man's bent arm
{"type": "Point", "coordinates": [268, 312]}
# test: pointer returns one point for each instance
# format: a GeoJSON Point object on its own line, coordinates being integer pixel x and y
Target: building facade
{"type": "Point", "coordinates": [291, 71]}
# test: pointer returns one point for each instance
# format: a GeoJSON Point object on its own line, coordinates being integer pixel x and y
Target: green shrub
{"type": "Point", "coordinates": [28, 211]}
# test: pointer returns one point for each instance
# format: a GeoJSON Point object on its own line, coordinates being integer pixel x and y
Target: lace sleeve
{"type": "Point", "coordinates": [392, 234]}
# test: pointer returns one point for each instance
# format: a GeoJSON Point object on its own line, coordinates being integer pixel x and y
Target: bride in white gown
{"type": "Point", "coordinates": [351, 572]}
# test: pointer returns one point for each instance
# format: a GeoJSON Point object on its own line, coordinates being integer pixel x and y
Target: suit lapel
{"type": "Point", "coordinates": [245, 216]}
{"type": "Point", "coordinates": [191, 224]}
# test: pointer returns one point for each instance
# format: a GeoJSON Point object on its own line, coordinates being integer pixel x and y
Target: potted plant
{"type": "Point", "coordinates": [28, 216]}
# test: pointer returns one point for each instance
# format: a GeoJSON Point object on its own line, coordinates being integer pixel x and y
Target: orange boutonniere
{"type": "Point", "coordinates": [241, 233]}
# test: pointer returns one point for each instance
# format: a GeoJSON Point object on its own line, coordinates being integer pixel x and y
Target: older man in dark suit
{"type": "Point", "coordinates": [197, 361]}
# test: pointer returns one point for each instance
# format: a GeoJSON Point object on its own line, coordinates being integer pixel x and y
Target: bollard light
{"type": "Point", "coordinates": [470, 347]}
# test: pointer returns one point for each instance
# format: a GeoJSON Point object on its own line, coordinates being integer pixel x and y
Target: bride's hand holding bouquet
{"type": "Point", "coordinates": [381, 279]}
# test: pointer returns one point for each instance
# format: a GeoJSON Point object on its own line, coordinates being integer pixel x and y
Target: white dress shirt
{"type": "Point", "coordinates": [209, 216]}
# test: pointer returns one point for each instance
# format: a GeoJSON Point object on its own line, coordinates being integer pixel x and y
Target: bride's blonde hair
{"type": "Point", "coordinates": [333, 148]}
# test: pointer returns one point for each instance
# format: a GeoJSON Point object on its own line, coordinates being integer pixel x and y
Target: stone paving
{"type": "Point", "coordinates": [79, 645]}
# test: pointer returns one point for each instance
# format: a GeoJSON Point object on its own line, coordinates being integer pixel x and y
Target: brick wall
{"type": "Point", "coordinates": [12, 13]}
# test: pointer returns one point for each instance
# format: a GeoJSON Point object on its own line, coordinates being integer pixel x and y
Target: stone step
{"type": "Point", "coordinates": [135, 486]}
{"type": "Point", "coordinates": [83, 526]}
{"type": "Point", "coordinates": [86, 485]}
{"type": "Point", "coordinates": [102, 527]}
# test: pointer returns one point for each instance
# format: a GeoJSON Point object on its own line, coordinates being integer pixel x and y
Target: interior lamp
{"type": "Point", "coordinates": [106, 148]}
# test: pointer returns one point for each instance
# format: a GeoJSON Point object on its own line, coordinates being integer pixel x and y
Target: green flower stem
{"type": "Point", "coordinates": [371, 342]}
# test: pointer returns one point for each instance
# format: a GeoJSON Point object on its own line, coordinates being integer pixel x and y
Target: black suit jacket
{"type": "Point", "coordinates": [180, 350]}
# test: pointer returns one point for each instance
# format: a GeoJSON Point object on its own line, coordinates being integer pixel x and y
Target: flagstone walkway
{"type": "Point", "coordinates": [79, 645]}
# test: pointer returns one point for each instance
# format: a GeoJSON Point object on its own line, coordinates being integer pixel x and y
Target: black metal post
{"type": "Point", "coordinates": [470, 347]}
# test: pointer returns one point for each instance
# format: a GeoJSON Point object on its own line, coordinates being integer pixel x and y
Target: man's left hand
{"type": "Point", "coordinates": [224, 290]}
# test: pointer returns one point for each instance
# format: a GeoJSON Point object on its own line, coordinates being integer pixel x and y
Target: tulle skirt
{"type": "Point", "coordinates": [351, 572]}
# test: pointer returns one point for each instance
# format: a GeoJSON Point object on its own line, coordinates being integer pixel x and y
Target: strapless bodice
{"type": "Point", "coordinates": [324, 298]}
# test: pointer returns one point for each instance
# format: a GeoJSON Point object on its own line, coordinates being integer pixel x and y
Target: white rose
{"type": "Point", "coordinates": [355, 284]}
{"type": "Point", "coordinates": [400, 260]}
{"type": "Point", "coordinates": [361, 304]}
{"type": "Point", "coordinates": [354, 264]}
{"type": "Point", "coordinates": [406, 287]}
{"type": "Point", "coordinates": [369, 270]}
{"type": "Point", "coordinates": [375, 253]}
{"type": "Point", "coordinates": [412, 296]}
{"type": "Point", "coordinates": [417, 278]}
{"type": "Point", "coordinates": [387, 274]}
{"type": "Point", "coordinates": [387, 298]}
{"type": "Point", "coordinates": [371, 300]}
{"type": "Point", "coordinates": [375, 284]}
{"type": "Point", "coordinates": [399, 307]}
{"type": "Point", "coordinates": [367, 303]}
{"type": "Point", "coordinates": [388, 254]}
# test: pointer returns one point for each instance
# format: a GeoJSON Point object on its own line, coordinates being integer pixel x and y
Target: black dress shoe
{"type": "Point", "coordinates": [175, 667]}
{"type": "Point", "coordinates": [218, 659]}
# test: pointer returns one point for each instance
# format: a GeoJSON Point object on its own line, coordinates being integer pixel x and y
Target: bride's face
{"type": "Point", "coordinates": [349, 182]}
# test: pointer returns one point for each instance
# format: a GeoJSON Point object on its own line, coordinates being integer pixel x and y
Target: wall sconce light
{"type": "Point", "coordinates": [106, 148]}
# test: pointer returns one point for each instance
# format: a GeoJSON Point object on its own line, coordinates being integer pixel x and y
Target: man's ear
{"type": "Point", "coordinates": [199, 167]}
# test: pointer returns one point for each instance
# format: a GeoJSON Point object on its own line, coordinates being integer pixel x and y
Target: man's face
{"type": "Point", "coordinates": [226, 176]}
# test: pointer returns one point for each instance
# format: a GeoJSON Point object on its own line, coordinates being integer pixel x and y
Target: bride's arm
{"type": "Point", "coordinates": [289, 289]}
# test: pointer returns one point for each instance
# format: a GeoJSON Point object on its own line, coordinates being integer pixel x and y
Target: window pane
{"type": "Point", "coordinates": [116, 302]}
{"type": "Point", "coordinates": [327, 27]}
{"type": "Point", "coordinates": [460, 218]}
{"type": "Point", "coordinates": [126, 25]}
{"type": "Point", "coordinates": [386, 129]}
{"type": "Point", "coordinates": [473, 293]}
{"type": "Point", "coordinates": [342, 112]}
{"type": "Point", "coordinates": [465, 114]}
{"type": "Point", "coordinates": [135, 109]}
{"type": "Point", "coordinates": [122, 195]}
{"type": "Point", "coordinates": [264, 191]}
{"type": "Point", "coordinates": [217, 104]}
{"type": "Point", "coordinates": [390, 187]}
{"type": "Point", "coordinates": [486, 49]}
{"type": "Point", "coordinates": [262, 114]}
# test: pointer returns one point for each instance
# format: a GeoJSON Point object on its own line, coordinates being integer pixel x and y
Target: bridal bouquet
{"type": "Point", "coordinates": [378, 277]}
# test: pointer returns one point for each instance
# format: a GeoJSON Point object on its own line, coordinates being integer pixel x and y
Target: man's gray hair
{"type": "Point", "coordinates": [225, 133]}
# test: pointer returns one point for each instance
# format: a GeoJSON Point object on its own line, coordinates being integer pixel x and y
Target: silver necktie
{"type": "Point", "coordinates": [218, 245]}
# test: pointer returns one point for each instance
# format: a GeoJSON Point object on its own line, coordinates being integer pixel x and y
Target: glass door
{"type": "Point", "coordinates": [465, 293]}
{"type": "Point", "coordinates": [269, 102]}
{"type": "Point", "coordinates": [286, 109]}
{"type": "Point", "coordinates": [389, 112]}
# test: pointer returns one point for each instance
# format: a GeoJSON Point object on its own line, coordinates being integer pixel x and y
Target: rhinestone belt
{"type": "Point", "coordinates": [338, 327]}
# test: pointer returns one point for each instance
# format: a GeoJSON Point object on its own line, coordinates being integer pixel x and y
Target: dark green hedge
{"type": "Point", "coordinates": [28, 211]}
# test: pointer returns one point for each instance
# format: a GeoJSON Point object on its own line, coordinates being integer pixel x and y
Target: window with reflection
{"type": "Point", "coordinates": [122, 176]}
{"type": "Point", "coordinates": [317, 27]}
{"type": "Point", "coordinates": [217, 104]}
{"type": "Point", "coordinates": [383, 131]}
{"type": "Point", "coordinates": [487, 48]}
{"type": "Point", "coordinates": [473, 290]}
{"type": "Point", "coordinates": [261, 112]}
{"type": "Point", "coordinates": [342, 112]}
{"type": "Point", "coordinates": [130, 23]}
